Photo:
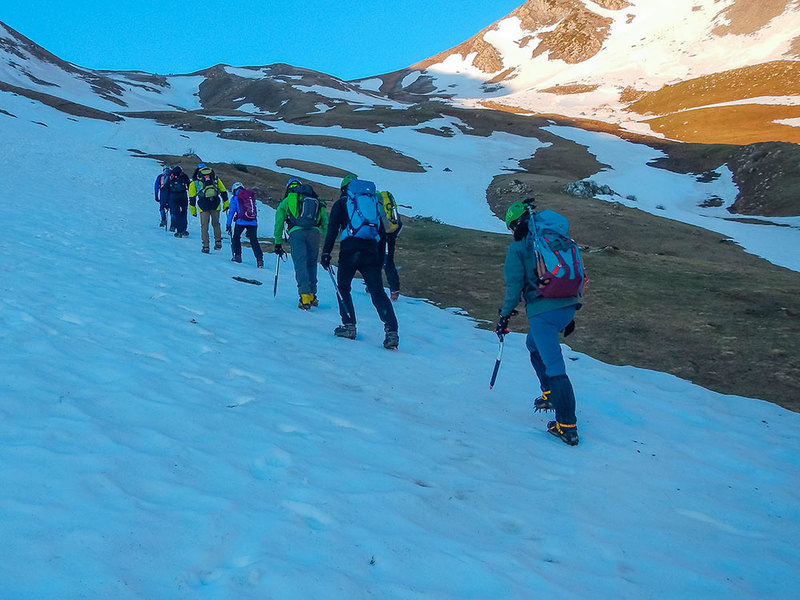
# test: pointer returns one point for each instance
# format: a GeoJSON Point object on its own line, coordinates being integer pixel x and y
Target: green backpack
{"type": "Point", "coordinates": [207, 183]}
{"type": "Point", "coordinates": [389, 214]}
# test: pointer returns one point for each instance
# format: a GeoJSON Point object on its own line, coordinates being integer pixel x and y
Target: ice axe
{"type": "Point", "coordinates": [497, 361]}
{"type": "Point", "coordinates": [336, 287]}
{"type": "Point", "coordinates": [277, 270]}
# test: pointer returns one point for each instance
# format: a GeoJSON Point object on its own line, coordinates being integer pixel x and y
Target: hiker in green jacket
{"type": "Point", "coordinates": [303, 213]}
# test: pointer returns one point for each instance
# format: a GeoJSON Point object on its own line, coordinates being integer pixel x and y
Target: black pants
{"type": "Point", "coordinates": [368, 262]}
{"type": "Point", "coordinates": [178, 207]}
{"type": "Point", "coordinates": [392, 278]}
{"type": "Point", "coordinates": [252, 235]}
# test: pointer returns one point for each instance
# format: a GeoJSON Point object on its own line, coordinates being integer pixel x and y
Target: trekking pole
{"type": "Point", "coordinates": [338, 293]}
{"type": "Point", "coordinates": [497, 361]}
{"type": "Point", "coordinates": [277, 268]}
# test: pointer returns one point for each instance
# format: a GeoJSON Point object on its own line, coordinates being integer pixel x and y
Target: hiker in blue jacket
{"type": "Point", "coordinates": [547, 318]}
{"type": "Point", "coordinates": [162, 195]}
{"type": "Point", "coordinates": [235, 214]}
{"type": "Point", "coordinates": [357, 254]}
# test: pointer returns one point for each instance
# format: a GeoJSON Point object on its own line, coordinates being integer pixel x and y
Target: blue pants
{"type": "Point", "coordinates": [548, 361]}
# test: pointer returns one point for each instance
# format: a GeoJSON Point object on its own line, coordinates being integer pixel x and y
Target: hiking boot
{"type": "Point", "coordinates": [567, 433]}
{"type": "Point", "coordinates": [314, 300]}
{"type": "Point", "coordinates": [543, 402]}
{"type": "Point", "coordinates": [184, 234]}
{"type": "Point", "coordinates": [163, 223]}
{"type": "Point", "coordinates": [305, 302]}
{"type": "Point", "coordinates": [395, 295]}
{"type": "Point", "coordinates": [172, 229]}
{"type": "Point", "coordinates": [205, 250]}
{"type": "Point", "coordinates": [218, 245]}
{"type": "Point", "coordinates": [237, 258]}
{"type": "Point", "coordinates": [391, 340]}
{"type": "Point", "coordinates": [178, 234]}
{"type": "Point", "coordinates": [259, 263]}
{"type": "Point", "coordinates": [347, 330]}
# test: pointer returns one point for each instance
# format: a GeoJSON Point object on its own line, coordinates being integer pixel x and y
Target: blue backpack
{"type": "Point", "coordinates": [363, 211]}
{"type": "Point", "coordinates": [559, 267]}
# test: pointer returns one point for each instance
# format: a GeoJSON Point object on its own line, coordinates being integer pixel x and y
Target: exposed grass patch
{"type": "Point", "coordinates": [570, 89]}
{"type": "Point", "coordinates": [256, 131]}
{"type": "Point", "coordinates": [65, 106]}
{"type": "Point", "coordinates": [311, 167]}
{"type": "Point", "coordinates": [753, 123]}
{"type": "Point", "coordinates": [776, 78]}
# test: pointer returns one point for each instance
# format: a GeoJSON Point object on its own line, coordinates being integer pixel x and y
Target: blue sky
{"type": "Point", "coordinates": [346, 38]}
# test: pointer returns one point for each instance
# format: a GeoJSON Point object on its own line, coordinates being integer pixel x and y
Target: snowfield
{"type": "Point", "coordinates": [169, 432]}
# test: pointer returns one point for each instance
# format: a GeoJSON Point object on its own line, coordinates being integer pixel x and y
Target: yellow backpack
{"type": "Point", "coordinates": [389, 214]}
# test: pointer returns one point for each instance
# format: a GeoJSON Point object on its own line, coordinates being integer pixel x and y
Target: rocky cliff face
{"type": "Point", "coordinates": [574, 33]}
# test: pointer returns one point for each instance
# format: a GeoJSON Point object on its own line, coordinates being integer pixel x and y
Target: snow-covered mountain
{"type": "Point", "coordinates": [279, 90]}
{"type": "Point", "coordinates": [170, 433]}
{"type": "Point", "coordinates": [679, 69]}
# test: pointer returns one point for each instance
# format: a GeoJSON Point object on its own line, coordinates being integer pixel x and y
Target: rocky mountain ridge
{"type": "Point", "coordinates": [606, 60]}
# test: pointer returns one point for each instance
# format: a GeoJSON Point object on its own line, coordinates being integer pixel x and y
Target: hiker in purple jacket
{"type": "Point", "coordinates": [242, 212]}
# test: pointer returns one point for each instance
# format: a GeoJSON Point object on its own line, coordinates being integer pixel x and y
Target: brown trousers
{"type": "Point", "coordinates": [213, 216]}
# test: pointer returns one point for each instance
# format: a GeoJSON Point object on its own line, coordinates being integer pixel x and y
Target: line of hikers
{"type": "Point", "coordinates": [366, 222]}
{"type": "Point", "coordinates": [543, 267]}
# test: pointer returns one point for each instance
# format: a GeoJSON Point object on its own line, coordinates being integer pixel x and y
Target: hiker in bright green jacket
{"type": "Point", "coordinates": [303, 214]}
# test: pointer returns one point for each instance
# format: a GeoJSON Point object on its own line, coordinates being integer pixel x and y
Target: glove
{"type": "Point", "coordinates": [193, 210]}
{"type": "Point", "coordinates": [325, 261]}
{"type": "Point", "coordinates": [569, 328]}
{"type": "Point", "coordinates": [280, 251]}
{"type": "Point", "coordinates": [502, 326]}
{"type": "Point", "coordinates": [228, 230]}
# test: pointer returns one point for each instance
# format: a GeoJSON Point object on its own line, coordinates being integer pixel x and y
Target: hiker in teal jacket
{"type": "Point", "coordinates": [303, 213]}
{"type": "Point", "coordinates": [547, 318]}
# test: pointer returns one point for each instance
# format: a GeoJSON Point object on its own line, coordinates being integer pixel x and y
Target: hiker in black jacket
{"type": "Point", "coordinates": [178, 185]}
{"type": "Point", "coordinates": [358, 251]}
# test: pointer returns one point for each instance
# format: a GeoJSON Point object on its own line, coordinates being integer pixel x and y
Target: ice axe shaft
{"type": "Point", "coordinates": [338, 293]}
{"type": "Point", "coordinates": [277, 269]}
{"type": "Point", "coordinates": [497, 362]}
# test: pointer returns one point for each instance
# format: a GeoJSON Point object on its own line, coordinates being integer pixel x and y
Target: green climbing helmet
{"type": "Point", "coordinates": [514, 212]}
{"type": "Point", "coordinates": [347, 179]}
{"type": "Point", "coordinates": [519, 209]}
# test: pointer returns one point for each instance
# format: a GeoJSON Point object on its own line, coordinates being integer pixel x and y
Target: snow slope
{"type": "Point", "coordinates": [169, 432]}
